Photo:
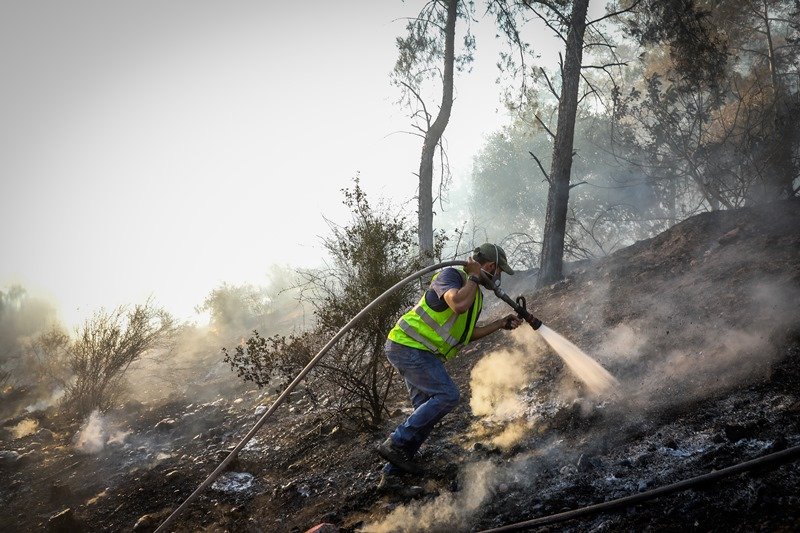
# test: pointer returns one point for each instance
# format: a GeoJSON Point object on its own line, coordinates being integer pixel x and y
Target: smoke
{"type": "Point", "coordinates": [496, 382]}
{"type": "Point", "coordinates": [513, 433]}
{"type": "Point", "coordinates": [448, 511]}
{"type": "Point", "coordinates": [501, 382]}
{"type": "Point", "coordinates": [26, 427]}
{"type": "Point", "coordinates": [194, 367]}
{"type": "Point", "coordinates": [497, 386]}
{"type": "Point", "coordinates": [92, 436]}
{"type": "Point", "coordinates": [45, 403]}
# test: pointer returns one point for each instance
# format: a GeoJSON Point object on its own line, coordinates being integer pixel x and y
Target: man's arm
{"type": "Point", "coordinates": [507, 322]}
{"type": "Point", "coordinates": [460, 300]}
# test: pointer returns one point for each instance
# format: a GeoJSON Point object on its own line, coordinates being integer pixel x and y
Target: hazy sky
{"type": "Point", "coordinates": [162, 148]}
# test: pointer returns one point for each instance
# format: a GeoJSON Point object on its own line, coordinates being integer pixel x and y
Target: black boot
{"type": "Point", "coordinates": [398, 457]}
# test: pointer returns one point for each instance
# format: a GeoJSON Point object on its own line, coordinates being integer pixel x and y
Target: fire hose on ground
{"type": "Point", "coordinates": [772, 460]}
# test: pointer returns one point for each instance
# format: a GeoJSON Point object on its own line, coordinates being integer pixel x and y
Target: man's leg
{"type": "Point", "coordinates": [417, 398]}
{"type": "Point", "coordinates": [432, 391]}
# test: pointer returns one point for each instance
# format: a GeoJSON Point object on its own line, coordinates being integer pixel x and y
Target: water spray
{"type": "Point", "coordinates": [593, 375]}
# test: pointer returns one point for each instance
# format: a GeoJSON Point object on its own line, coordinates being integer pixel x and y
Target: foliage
{"type": "Point", "coordinates": [104, 348]}
{"type": "Point", "coordinates": [614, 205]}
{"type": "Point", "coordinates": [718, 126]}
{"type": "Point", "coordinates": [691, 112]}
{"type": "Point", "coordinates": [371, 254]}
{"type": "Point", "coordinates": [21, 318]}
{"type": "Point", "coordinates": [686, 29]}
{"type": "Point", "coordinates": [234, 309]}
{"type": "Point", "coordinates": [422, 47]}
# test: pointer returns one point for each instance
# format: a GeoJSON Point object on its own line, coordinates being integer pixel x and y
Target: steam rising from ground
{"type": "Point", "coordinates": [96, 432]}
{"type": "Point", "coordinates": [499, 379]}
{"type": "Point", "coordinates": [496, 381]}
{"type": "Point", "coordinates": [680, 348]}
{"type": "Point", "coordinates": [92, 436]}
{"type": "Point", "coordinates": [689, 346]}
{"type": "Point", "coordinates": [451, 511]}
{"type": "Point", "coordinates": [24, 428]}
{"type": "Point", "coordinates": [44, 403]}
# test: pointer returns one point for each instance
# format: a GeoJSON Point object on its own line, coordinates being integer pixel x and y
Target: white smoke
{"type": "Point", "coordinates": [44, 403]}
{"type": "Point", "coordinates": [447, 512]}
{"type": "Point", "coordinates": [92, 436]}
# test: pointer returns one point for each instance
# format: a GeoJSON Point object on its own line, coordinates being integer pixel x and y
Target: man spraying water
{"type": "Point", "coordinates": [428, 335]}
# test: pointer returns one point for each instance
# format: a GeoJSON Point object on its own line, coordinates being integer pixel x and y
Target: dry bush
{"type": "Point", "coordinates": [92, 366]}
{"type": "Point", "coordinates": [368, 256]}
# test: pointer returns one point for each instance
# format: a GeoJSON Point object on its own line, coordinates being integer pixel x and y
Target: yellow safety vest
{"type": "Point", "coordinates": [443, 333]}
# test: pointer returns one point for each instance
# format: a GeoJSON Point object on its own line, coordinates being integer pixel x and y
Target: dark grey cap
{"type": "Point", "coordinates": [492, 252]}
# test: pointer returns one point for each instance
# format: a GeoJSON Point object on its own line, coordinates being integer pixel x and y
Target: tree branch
{"type": "Point", "coordinates": [615, 13]}
{"type": "Point", "coordinates": [549, 84]}
{"type": "Point", "coordinates": [541, 167]}
{"type": "Point", "coordinates": [552, 136]}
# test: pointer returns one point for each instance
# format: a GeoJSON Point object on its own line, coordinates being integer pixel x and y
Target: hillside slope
{"type": "Point", "coordinates": [700, 325]}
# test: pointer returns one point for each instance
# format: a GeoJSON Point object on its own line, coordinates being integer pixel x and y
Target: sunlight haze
{"type": "Point", "coordinates": [162, 149]}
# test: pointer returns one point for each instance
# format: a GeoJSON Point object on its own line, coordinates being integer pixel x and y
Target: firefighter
{"type": "Point", "coordinates": [430, 334]}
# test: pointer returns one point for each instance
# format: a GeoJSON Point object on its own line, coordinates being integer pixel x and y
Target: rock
{"type": "Point", "coordinates": [8, 458]}
{"type": "Point", "coordinates": [145, 522]}
{"type": "Point", "coordinates": [568, 470]}
{"type": "Point", "coordinates": [165, 424]}
{"type": "Point", "coordinates": [59, 492]}
{"type": "Point", "coordinates": [64, 522]}
{"type": "Point", "coordinates": [26, 458]}
{"type": "Point", "coordinates": [731, 236]}
{"type": "Point", "coordinates": [233, 482]}
{"type": "Point", "coordinates": [260, 410]}
{"type": "Point", "coordinates": [45, 435]}
{"type": "Point", "coordinates": [151, 521]}
{"type": "Point", "coordinates": [737, 432]}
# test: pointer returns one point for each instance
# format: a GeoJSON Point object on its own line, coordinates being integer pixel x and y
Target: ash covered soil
{"type": "Point", "coordinates": [700, 325]}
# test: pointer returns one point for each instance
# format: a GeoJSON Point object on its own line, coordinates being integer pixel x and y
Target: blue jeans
{"type": "Point", "coordinates": [433, 395]}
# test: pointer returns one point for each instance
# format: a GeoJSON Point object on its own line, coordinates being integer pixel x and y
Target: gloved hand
{"type": "Point", "coordinates": [511, 322]}
{"type": "Point", "coordinates": [473, 268]}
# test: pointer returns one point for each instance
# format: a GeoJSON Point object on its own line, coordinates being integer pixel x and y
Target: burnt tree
{"type": "Point", "coordinates": [552, 256]}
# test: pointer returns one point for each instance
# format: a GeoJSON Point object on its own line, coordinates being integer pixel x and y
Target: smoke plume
{"type": "Point", "coordinates": [451, 511]}
{"type": "Point", "coordinates": [26, 427]}
{"type": "Point", "coordinates": [93, 434]}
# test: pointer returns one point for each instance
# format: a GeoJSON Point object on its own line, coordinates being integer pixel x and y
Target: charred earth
{"type": "Point", "coordinates": [700, 324]}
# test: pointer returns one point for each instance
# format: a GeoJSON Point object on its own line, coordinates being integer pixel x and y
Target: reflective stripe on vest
{"type": "Point", "coordinates": [443, 331]}
{"type": "Point", "coordinates": [420, 327]}
{"type": "Point", "coordinates": [411, 332]}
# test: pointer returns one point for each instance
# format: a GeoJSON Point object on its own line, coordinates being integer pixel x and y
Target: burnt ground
{"type": "Point", "coordinates": [701, 325]}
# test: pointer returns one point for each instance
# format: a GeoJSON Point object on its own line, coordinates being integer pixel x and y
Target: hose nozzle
{"type": "Point", "coordinates": [520, 306]}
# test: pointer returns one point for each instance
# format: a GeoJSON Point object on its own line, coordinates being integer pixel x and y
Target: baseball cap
{"type": "Point", "coordinates": [492, 252]}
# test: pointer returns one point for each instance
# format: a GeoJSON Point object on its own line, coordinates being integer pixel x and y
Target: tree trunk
{"type": "Point", "coordinates": [780, 176]}
{"type": "Point", "coordinates": [432, 138]}
{"type": "Point", "coordinates": [552, 257]}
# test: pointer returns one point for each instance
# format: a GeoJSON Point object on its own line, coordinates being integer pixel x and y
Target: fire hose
{"type": "Point", "coordinates": [518, 306]}
{"type": "Point", "coordinates": [772, 460]}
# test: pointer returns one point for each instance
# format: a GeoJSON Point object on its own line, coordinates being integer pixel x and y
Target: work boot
{"type": "Point", "coordinates": [391, 484]}
{"type": "Point", "coordinates": [398, 457]}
